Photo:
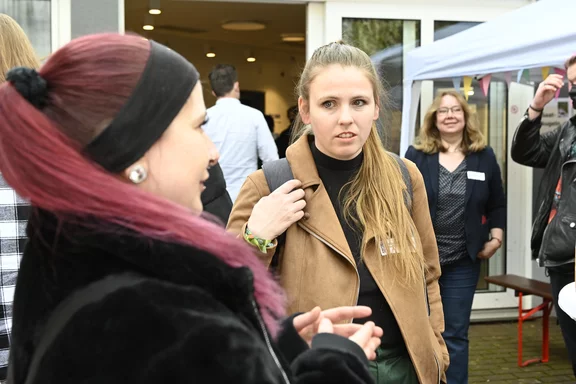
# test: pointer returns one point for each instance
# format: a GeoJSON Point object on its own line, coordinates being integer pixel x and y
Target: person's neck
{"type": "Point", "coordinates": [326, 161]}
{"type": "Point", "coordinates": [231, 95]}
{"type": "Point", "coordinates": [227, 98]}
{"type": "Point", "coordinates": [452, 143]}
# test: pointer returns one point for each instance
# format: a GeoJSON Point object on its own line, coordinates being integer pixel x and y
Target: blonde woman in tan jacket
{"type": "Point", "coordinates": [349, 236]}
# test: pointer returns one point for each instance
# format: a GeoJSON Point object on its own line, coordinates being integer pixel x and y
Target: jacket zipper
{"type": "Point", "coordinates": [438, 365]}
{"type": "Point", "coordinates": [428, 306]}
{"type": "Point", "coordinates": [426, 290]}
{"type": "Point", "coordinates": [341, 254]}
{"type": "Point", "coordinates": [268, 344]}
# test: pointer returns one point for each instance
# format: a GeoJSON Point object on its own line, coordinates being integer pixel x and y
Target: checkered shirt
{"type": "Point", "coordinates": [14, 213]}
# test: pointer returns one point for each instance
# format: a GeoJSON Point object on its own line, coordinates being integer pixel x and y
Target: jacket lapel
{"type": "Point", "coordinates": [321, 214]}
{"type": "Point", "coordinates": [472, 163]}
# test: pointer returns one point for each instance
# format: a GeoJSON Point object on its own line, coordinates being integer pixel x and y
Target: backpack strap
{"type": "Point", "coordinates": [64, 312]}
{"type": "Point", "coordinates": [277, 172]}
{"type": "Point", "coordinates": [409, 195]}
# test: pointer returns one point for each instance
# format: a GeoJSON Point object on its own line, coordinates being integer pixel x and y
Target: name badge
{"type": "Point", "coordinates": [392, 246]}
{"type": "Point", "coordinates": [480, 176]}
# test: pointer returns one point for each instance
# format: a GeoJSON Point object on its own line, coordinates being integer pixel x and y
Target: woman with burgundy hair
{"type": "Point", "coordinates": [122, 281]}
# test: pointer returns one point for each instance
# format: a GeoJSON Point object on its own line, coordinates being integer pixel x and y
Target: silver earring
{"type": "Point", "coordinates": [138, 174]}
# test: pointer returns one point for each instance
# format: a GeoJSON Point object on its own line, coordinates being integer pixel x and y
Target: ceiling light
{"type": "Point", "coordinates": [148, 23]}
{"type": "Point", "coordinates": [471, 92]}
{"type": "Point", "coordinates": [293, 37]}
{"type": "Point", "coordinates": [209, 51]}
{"type": "Point", "coordinates": [250, 56]}
{"type": "Point", "coordinates": [154, 7]}
{"type": "Point", "coordinates": [243, 26]}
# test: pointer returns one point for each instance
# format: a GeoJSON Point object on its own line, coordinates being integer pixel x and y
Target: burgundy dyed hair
{"type": "Point", "coordinates": [89, 80]}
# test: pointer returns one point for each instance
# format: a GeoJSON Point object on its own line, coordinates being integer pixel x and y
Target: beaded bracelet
{"type": "Point", "coordinates": [261, 244]}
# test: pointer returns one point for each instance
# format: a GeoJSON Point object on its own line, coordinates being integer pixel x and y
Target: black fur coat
{"type": "Point", "coordinates": [192, 319]}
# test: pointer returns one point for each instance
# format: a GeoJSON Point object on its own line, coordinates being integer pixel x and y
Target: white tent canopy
{"type": "Point", "coordinates": [537, 35]}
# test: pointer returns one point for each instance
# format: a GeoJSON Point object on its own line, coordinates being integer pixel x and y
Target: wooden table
{"type": "Point", "coordinates": [524, 286]}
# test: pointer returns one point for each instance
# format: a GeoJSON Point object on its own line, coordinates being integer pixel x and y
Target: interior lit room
{"type": "Point", "coordinates": [265, 42]}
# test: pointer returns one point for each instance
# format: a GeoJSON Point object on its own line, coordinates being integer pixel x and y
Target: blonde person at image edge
{"type": "Point", "coordinates": [15, 50]}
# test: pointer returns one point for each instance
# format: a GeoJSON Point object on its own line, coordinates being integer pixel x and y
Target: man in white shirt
{"type": "Point", "coordinates": [239, 132]}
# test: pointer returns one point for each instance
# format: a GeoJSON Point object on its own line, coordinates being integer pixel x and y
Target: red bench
{"type": "Point", "coordinates": [523, 286]}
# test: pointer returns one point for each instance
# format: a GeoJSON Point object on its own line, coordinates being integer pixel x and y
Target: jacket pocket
{"type": "Point", "coordinates": [559, 238]}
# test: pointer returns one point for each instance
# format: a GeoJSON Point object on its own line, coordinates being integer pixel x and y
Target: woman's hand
{"type": "Point", "coordinates": [489, 249]}
{"type": "Point", "coordinates": [364, 336]}
{"type": "Point", "coordinates": [308, 324]}
{"type": "Point", "coordinates": [273, 214]}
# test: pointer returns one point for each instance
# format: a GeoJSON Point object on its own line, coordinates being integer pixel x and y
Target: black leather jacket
{"type": "Point", "coordinates": [552, 244]}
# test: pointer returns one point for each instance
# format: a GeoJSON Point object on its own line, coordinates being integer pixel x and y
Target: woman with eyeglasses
{"type": "Point", "coordinates": [468, 210]}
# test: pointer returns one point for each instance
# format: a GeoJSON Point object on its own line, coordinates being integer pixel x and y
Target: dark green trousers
{"type": "Point", "coordinates": [393, 366]}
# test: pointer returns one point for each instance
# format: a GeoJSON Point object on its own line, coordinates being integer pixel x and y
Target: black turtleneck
{"type": "Point", "coordinates": [334, 175]}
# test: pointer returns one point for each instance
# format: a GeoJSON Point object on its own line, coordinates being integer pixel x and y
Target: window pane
{"type": "Point", "coordinates": [443, 29]}
{"type": "Point", "coordinates": [34, 18]}
{"type": "Point", "coordinates": [386, 41]}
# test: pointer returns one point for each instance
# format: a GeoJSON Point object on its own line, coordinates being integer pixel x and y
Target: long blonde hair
{"type": "Point", "coordinates": [376, 193]}
{"type": "Point", "coordinates": [429, 140]}
{"type": "Point", "coordinates": [15, 47]}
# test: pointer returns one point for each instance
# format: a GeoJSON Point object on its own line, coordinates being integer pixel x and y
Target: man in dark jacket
{"type": "Point", "coordinates": [283, 140]}
{"type": "Point", "coordinates": [554, 228]}
{"type": "Point", "coordinates": [215, 198]}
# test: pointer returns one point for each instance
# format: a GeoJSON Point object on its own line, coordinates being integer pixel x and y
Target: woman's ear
{"type": "Point", "coordinates": [304, 110]}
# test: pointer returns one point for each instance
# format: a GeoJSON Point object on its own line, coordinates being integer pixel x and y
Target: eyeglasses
{"type": "Point", "coordinates": [455, 110]}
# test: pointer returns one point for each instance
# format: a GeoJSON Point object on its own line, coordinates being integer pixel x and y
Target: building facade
{"type": "Point", "coordinates": [385, 29]}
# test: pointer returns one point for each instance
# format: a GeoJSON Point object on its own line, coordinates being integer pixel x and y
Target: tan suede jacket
{"type": "Point", "coordinates": [317, 268]}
